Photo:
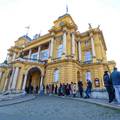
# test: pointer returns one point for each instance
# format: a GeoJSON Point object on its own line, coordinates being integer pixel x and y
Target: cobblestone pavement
{"type": "Point", "coordinates": [55, 108]}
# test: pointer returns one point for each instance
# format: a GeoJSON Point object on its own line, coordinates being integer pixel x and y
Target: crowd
{"type": "Point", "coordinates": [69, 89]}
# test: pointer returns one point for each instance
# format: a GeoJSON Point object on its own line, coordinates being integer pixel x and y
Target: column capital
{"type": "Point", "coordinates": [91, 34]}
{"type": "Point", "coordinates": [52, 34]}
{"type": "Point", "coordinates": [72, 32]}
{"type": "Point", "coordinates": [64, 29]}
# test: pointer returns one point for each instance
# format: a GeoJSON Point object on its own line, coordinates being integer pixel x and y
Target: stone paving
{"type": "Point", "coordinates": [56, 108]}
{"type": "Point", "coordinates": [16, 100]}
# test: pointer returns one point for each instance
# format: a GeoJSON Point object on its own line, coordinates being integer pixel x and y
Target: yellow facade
{"type": "Point", "coordinates": [65, 49]}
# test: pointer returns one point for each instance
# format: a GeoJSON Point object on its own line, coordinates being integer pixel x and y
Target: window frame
{"type": "Point", "coordinates": [56, 75]}
{"type": "Point", "coordinates": [88, 75]}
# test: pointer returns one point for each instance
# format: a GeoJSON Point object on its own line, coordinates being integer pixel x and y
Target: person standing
{"type": "Point", "coordinates": [56, 89]}
{"type": "Point", "coordinates": [52, 88]}
{"type": "Point", "coordinates": [80, 87]}
{"type": "Point", "coordinates": [108, 86]}
{"type": "Point", "coordinates": [47, 89]}
{"type": "Point", "coordinates": [71, 89]}
{"type": "Point", "coordinates": [115, 77]}
{"type": "Point", "coordinates": [88, 89]}
{"type": "Point", "coordinates": [74, 90]}
{"type": "Point", "coordinates": [67, 90]}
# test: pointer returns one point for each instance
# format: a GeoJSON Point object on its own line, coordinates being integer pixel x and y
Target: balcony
{"type": "Point", "coordinates": [31, 60]}
{"type": "Point", "coordinates": [87, 62]}
{"type": "Point", "coordinates": [4, 65]}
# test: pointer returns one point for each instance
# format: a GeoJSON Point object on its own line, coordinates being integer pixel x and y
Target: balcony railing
{"type": "Point", "coordinates": [31, 60]}
{"type": "Point", "coordinates": [87, 62]}
{"type": "Point", "coordinates": [4, 65]}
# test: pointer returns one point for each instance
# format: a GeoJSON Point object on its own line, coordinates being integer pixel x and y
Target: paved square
{"type": "Point", "coordinates": [55, 108]}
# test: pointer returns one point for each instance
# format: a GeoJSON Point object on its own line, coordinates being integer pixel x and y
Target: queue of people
{"type": "Point", "coordinates": [69, 89]}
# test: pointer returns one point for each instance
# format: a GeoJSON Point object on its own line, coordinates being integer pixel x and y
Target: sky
{"type": "Point", "coordinates": [15, 15]}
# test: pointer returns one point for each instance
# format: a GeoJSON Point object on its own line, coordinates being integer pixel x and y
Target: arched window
{"type": "Point", "coordinates": [56, 75]}
{"type": "Point", "coordinates": [60, 50]}
{"type": "Point", "coordinates": [88, 75]}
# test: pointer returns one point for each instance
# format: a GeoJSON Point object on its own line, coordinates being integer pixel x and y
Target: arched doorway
{"type": "Point", "coordinates": [33, 80]}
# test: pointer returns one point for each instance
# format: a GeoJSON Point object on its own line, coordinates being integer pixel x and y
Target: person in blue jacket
{"type": "Point", "coordinates": [115, 77]}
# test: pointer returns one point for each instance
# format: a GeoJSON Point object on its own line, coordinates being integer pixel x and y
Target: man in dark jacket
{"type": "Point", "coordinates": [108, 86]}
{"type": "Point", "coordinates": [88, 89]}
{"type": "Point", "coordinates": [115, 76]}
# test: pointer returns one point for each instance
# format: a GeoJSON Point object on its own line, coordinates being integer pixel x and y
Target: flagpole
{"type": "Point", "coordinates": [66, 7]}
{"type": "Point", "coordinates": [27, 29]}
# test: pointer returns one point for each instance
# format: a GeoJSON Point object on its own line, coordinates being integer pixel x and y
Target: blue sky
{"type": "Point", "coordinates": [40, 14]}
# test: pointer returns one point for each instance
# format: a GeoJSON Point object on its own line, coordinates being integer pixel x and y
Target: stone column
{"type": "Point", "coordinates": [5, 84]}
{"type": "Point", "coordinates": [64, 42]}
{"type": "Point", "coordinates": [11, 79]}
{"type": "Point", "coordinates": [29, 56]}
{"type": "Point", "coordinates": [1, 75]}
{"type": "Point", "coordinates": [41, 85]}
{"type": "Point", "coordinates": [38, 56]}
{"type": "Point", "coordinates": [14, 55]}
{"type": "Point", "coordinates": [93, 47]}
{"type": "Point", "coordinates": [15, 78]}
{"type": "Point", "coordinates": [51, 47]}
{"type": "Point", "coordinates": [24, 82]}
{"type": "Point", "coordinates": [73, 43]}
{"type": "Point", "coordinates": [79, 51]}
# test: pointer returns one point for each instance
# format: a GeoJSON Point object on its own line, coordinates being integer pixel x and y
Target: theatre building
{"type": "Point", "coordinates": [63, 55]}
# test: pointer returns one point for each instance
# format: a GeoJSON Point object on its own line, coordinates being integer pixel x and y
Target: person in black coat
{"type": "Point", "coordinates": [109, 86]}
{"type": "Point", "coordinates": [52, 88]}
{"type": "Point", "coordinates": [56, 89]}
{"type": "Point", "coordinates": [80, 87]}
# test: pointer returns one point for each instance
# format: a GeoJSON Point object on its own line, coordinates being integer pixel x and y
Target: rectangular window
{"type": "Point", "coordinates": [86, 43]}
{"type": "Point", "coordinates": [88, 75]}
{"type": "Point", "coordinates": [56, 75]}
{"type": "Point", "coordinates": [60, 51]}
{"type": "Point", "coordinates": [88, 56]}
{"type": "Point", "coordinates": [34, 56]}
{"type": "Point", "coordinates": [44, 54]}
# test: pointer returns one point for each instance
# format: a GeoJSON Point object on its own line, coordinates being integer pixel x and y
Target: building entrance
{"type": "Point", "coordinates": [33, 81]}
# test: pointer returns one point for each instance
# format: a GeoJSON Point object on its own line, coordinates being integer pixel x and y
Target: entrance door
{"type": "Point", "coordinates": [33, 80]}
